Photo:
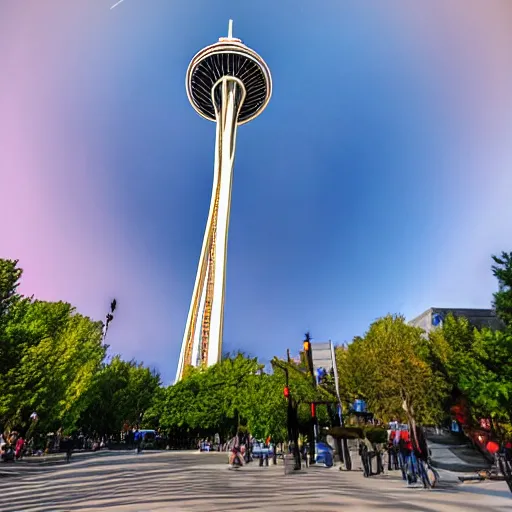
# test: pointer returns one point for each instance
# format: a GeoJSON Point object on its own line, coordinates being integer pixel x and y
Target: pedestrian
{"type": "Point", "coordinates": [421, 456]}
{"type": "Point", "coordinates": [366, 452]}
{"type": "Point", "coordinates": [393, 462]}
{"type": "Point", "coordinates": [138, 440]}
{"type": "Point", "coordinates": [304, 454]}
{"type": "Point", "coordinates": [407, 457]}
{"type": "Point", "coordinates": [68, 448]}
{"type": "Point", "coordinates": [20, 444]}
{"type": "Point", "coordinates": [236, 458]}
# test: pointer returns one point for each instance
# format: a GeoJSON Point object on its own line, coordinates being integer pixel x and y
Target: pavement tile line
{"type": "Point", "coordinates": [193, 482]}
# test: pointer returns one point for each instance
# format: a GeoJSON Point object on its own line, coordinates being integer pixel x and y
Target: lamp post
{"type": "Point", "coordinates": [314, 421]}
{"type": "Point", "coordinates": [292, 420]}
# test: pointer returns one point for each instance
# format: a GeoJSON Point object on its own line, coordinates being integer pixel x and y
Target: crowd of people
{"type": "Point", "coordinates": [241, 448]}
{"type": "Point", "coordinates": [406, 451]}
{"type": "Point", "coordinates": [12, 446]}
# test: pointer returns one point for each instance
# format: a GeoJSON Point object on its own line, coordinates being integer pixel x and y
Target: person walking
{"type": "Point", "coordinates": [410, 465]}
{"type": "Point", "coordinates": [20, 445]}
{"type": "Point", "coordinates": [421, 455]}
{"type": "Point", "coordinates": [236, 458]}
{"type": "Point", "coordinates": [366, 452]}
{"type": "Point", "coordinates": [304, 453]}
{"type": "Point", "coordinates": [138, 440]}
{"type": "Point", "coordinates": [393, 462]}
{"type": "Point", "coordinates": [68, 448]}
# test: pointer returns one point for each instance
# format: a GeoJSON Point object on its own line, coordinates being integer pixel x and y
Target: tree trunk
{"type": "Point", "coordinates": [409, 412]}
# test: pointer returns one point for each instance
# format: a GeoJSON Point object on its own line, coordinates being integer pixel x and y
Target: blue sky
{"type": "Point", "coordinates": [377, 180]}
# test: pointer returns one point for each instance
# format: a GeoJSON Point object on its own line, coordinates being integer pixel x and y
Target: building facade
{"type": "Point", "coordinates": [434, 317]}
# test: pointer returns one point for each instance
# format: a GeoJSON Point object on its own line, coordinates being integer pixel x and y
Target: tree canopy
{"type": "Point", "coordinates": [402, 372]}
{"type": "Point", "coordinates": [386, 368]}
{"type": "Point", "coordinates": [477, 365]}
{"type": "Point", "coordinates": [53, 361]}
{"type": "Point", "coordinates": [502, 270]}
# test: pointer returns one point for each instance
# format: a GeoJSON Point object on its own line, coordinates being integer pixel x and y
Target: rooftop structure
{"type": "Point", "coordinates": [434, 317]}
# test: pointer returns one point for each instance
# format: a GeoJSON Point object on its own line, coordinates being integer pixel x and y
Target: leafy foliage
{"type": "Point", "coordinates": [502, 270]}
{"type": "Point", "coordinates": [236, 394]}
{"type": "Point", "coordinates": [120, 394]}
{"type": "Point", "coordinates": [215, 399]}
{"type": "Point", "coordinates": [55, 355]}
{"type": "Point", "coordinates": [477, 365]}
{"type": "Point", "coordinates": [51, 363]}
{"type": "Point", "coordinates": [10, 275]}
{"type": "Point", "coordinates": [386, 369]}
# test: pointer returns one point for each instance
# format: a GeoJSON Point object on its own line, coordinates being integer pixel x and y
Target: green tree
{"type": "Point", "coordinates": [213, 399]}
{"type": "Point", "coordinates": [353, 372]}
{"type": "Point", "coordinates": [120, 393]}
{"type": "Point", "coordinates": [477, 364]}
{"type": "Point", "coordinates": [386, 368]}
{"type": "Point", "coordinates": [235, 394]}
{"type": "Point", "coordinates": [57, 352]}
{"type": "Point", "coordinates": [502, 270]}
{"type": "Point", "coordinates": [152, 415]}
{"type": "Point", "coordinates": [51, 362]}
{"type": "Point", "coordinates": [266, 410]}
{"type": "Point", "coordinates": [301, 384]}
{"type": "Point", "coordinates": [10, 304]}
{"type": "Point", "coordinates": [10, 275]}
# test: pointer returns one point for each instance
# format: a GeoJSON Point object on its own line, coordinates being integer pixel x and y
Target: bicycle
{"type": "Point", "coordinates": [505, 468]}
{"type": "Point", "coordinates": [500, 470]}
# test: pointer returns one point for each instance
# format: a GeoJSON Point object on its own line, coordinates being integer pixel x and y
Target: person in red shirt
{"type": "Point", "coordinates": [20, 444]}
{"type": "Point", "coordinates": [393, 462]}
{"type": "Point", "coordinates": [406, 459]}
{"type": "Point", "coordinates": [406, 440]}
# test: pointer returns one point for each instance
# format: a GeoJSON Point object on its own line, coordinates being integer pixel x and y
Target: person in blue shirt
{"type": "Point", "coordinates": [138, 440]}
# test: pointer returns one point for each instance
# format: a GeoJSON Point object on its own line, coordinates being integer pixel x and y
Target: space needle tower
{"type": "Point", "coordinates": [230, 84]}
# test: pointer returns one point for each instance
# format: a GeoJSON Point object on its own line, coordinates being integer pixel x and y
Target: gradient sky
{"type": "Point", "coordinates": [378, 179]}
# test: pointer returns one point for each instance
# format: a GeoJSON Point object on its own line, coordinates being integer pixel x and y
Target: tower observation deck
{"type": "Point", "coordinates": [230, 84]}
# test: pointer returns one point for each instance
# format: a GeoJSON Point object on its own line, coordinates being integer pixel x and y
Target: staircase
{"type": "Point", "coordinates": [454, 452]}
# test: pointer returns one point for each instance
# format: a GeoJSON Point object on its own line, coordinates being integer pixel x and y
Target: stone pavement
{"type": "Point", "coordinates": [188, 481]}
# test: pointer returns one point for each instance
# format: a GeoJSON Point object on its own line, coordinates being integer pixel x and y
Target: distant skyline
{"type": "Point", "coordinates": [377, 180]}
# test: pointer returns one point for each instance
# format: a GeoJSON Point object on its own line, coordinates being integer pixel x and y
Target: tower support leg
{"type": "Point", "coordinates": [202, 340]}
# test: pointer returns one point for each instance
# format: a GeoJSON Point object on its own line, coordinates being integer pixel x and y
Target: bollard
{"type": "Point", "coordinates": [261, 461]}
{"type": "Point", "coordinates": [266, 459]}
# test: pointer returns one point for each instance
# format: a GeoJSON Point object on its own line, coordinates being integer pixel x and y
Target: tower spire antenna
{"type": "Point", "coordinates": [230, 29]}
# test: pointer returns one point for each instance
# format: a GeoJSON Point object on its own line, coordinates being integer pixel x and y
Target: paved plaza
{"type": "Point", "coordinates": [186, 481]}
